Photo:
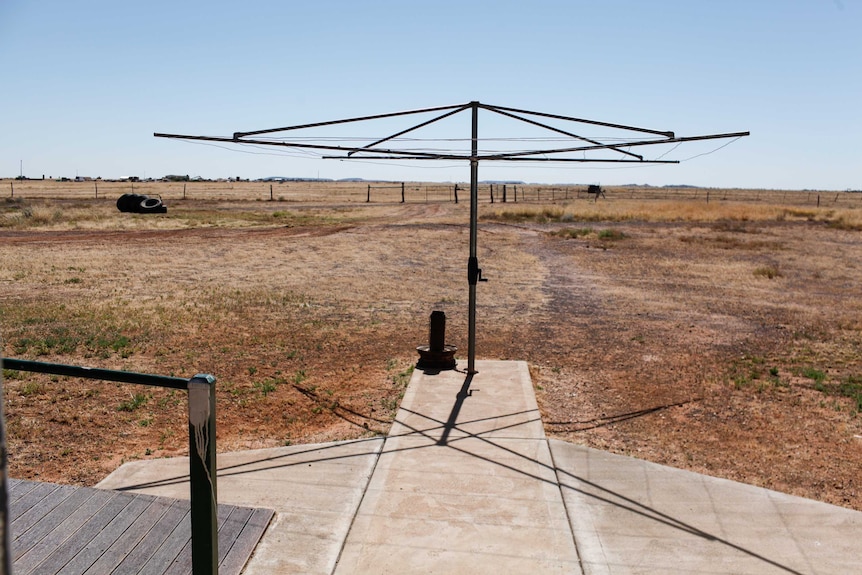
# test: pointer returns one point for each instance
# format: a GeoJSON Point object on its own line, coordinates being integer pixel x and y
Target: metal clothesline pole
{"type": "Point", "coordinates": [473, 271]}
{"type": "Point", "coordinates": [371, 151]}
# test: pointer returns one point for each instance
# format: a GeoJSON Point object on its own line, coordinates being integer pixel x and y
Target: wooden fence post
{"type": "Point", "coordinates": [368, 198]}
{"type": "Point", "coordinates": [270, 192]}
{"type": "Point", "coordinates": [492, 193]}
{"type": "Point", "coordinates": [456, 193]}
{"type": "Point", "coordinates": [402, 192]}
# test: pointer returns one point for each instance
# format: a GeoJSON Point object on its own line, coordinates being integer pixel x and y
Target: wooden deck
{"type": "Point", "coordinates": [59, 529]}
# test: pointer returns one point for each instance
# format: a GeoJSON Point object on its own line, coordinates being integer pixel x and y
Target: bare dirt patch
{"type": "Point", "coordinates": [658, 339]}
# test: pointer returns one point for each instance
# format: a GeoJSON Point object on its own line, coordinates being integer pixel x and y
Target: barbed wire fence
{"type": "Point", "coordinates": [409, 192]}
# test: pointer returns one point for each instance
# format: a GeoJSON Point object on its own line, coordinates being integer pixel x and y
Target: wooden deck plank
{"type": "Point", "coordinates": [105, 537]}
{"type": "Point", "coordinates": [75, 543]}
{"type": "Point", "coordinates": [19, 487]}
{"type": "Point", "coordinates": [232, 528]}
{"type": "Point", "coordinates": [66, 530]}
{"type": "Point", "coordinates": [243, 546]}
{"type": "Point", "coordinates": [39, 492]}
{"type": "Point", "coordinates": [27, 562]}
{"type": "Point", "coordinates": [183, 563]}
{"type": "Point", "coordinates": [172, 543]}
{"type": "Point", "coordinates": [41, 508]}
{"type": "Point", "coordinates": [26, 540]}
{"type": "Point", "coordinates": [151, 542]}
{"type": "Point", "coordinates": [131, 538]}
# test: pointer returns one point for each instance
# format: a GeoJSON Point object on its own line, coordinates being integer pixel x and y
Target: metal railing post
{"type": "Point", "coordinates": [202, 448]}
{"type": "Point", "coordinates": [5, 536]}
{"type": "Point", "coordinates": [202, 474]}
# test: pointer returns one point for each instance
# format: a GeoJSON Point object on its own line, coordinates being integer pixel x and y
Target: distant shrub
{"type": "Point", "coordinates": [768, 272]}
{"type": "Point", "coordinates": [611, 235]}
{"type": "Point", "coordinates": [571, 233]}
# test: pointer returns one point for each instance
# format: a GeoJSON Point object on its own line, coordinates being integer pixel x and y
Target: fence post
{"type": "Point", "coordinates": [492, 193]}
{"type": "Point", "coordinates": [515, 193]}
{"type": "Point", "coordinates": [456, 193]}
{"type": "Point", "coordinates": [504, 193]}
{"type": "Point", "coordinates": [368, 198]}
{"type": "Point", "coordinates": [402, 192]}
{"type": "Point", "coordinates": [270, 192]}
{"type": "Point", "coordinates": [202, 474]}
{"type": "Point", "coordinates": [11, 185]}
{"type": "Point", "coordinates": [96, 184]}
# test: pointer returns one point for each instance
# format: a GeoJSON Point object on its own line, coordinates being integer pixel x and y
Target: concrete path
{"type": "Point", "coordinates": [466, 482]}
{"type": "Point", "coordinates": [632, 516]}
{"type": "Point", "coordinates": [313, 489]}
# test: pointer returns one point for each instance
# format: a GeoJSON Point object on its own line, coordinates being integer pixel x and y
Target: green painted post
{"type": "Point", "coordinates": [202, 473]}
{"type": "Point", "coordinates": [5, 536]}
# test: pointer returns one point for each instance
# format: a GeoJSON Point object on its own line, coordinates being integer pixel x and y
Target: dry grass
{"type": "Point", "coordinates": [683, 210]}
{"type": "Point", "coordinates": [730, 327]}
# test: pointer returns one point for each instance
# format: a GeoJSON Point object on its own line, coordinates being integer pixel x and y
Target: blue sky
{"type": "Point", "coordinates": [86, 83]}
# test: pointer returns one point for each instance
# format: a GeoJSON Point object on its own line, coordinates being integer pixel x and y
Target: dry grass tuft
{"type": "Point", "coordinates": [768, 272]}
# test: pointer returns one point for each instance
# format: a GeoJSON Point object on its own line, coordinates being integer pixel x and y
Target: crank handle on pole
{"type": "Point", "coordinates": [474, 272]}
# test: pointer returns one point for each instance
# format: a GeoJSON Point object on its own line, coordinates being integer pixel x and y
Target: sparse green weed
{"type": "Point", "coordinates": [816, 375]}
{"type": "Point", "coordinates": [852, 388]}
{"type": "Point", "coordinates": [32, 388]}
{"type": "Point", "coordinates": [136, 401]}
{"type": "Point", "coordinates": [266, 386]}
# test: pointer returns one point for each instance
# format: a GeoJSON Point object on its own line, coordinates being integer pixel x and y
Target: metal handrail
{"type": "Point", "coordinates": [202, 446]}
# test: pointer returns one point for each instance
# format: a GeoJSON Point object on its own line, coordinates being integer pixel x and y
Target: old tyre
{"type": "Point", "coordinates": [151, 206]}
{"type": "Point", "coordinates": [125, 202]}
